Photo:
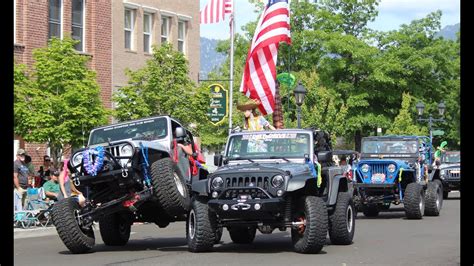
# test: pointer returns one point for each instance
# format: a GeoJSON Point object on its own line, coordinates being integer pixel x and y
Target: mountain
{"type": "Point", "coordinates": [210, 59]}
{"type": "Point", "coordinates": [449, 32]}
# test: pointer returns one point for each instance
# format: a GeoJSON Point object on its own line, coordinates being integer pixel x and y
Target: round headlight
{"type": "Point", "coordinates": [391, 168]}
{"type": "Point", "coordinates": [126, 150]}
{"type": "Point", "coordinates": [217, 182]}
{"type": "Point", "coordinates": [277, 181]}
{"type": "Point", "coordinates": [365, 168]}
{"type": "Point", "coordinates": [77, 159]}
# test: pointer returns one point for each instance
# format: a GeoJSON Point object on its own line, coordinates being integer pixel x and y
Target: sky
{"type": "Point", "coordinates": [392, 14]}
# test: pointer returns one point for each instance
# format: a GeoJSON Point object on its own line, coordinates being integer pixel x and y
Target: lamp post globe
{"type": "Point", "coordinates": [420, 107]}
{"type": "Point", "coordinates": [300, 93]}
{"type": "Point", "coordinates": [441, 108]}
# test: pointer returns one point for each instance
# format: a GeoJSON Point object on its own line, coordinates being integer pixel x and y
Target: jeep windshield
{"type": "Point", "coordinates": [149, 129]}
{"type": "Point", "coordinates": [268, 146]}
{"type": "Point", "coordinates": [397, 148]}
{"type": "Point", "coordinates": [451, 157]}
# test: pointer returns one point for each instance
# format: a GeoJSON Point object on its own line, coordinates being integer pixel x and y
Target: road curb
{"type": "Point", "coordinates": [19, 233]}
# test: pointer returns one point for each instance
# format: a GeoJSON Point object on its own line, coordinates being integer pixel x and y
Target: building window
{"type": "Point", "coordinates": [147, 30]}
{"type": "Point", "coordinates": [55, 19]}
{"type": "Point", "coordinates": [182, 36]}
{"type": "Point", "coordinates": [129, 22]}
{"type": "Point", "coordinates": [78, 23]}
{"type": "Point", "coordinates": [165, 29]}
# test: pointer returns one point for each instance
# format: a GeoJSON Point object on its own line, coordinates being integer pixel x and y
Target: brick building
{"type": "Point", "coordinates": [116, 35]}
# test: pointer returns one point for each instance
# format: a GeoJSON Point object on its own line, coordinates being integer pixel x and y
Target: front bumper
{"type": "Point", "coordinates": [251, 209]}
{"type": "Point", "coordinates": [450, 184]}
{"type": "Point", "coordinates": [121, 177]}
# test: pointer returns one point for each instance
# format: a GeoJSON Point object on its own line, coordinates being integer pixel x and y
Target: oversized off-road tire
{"type": "Point", "coordinates": [311, 237]}
{"type": "Point", "coordinates": [370, 211]}
{"type": "Point", "coordinates": [342, 220]}
{"type": "Point", "coordinates": [114, 230]}
{"type": "Point", "coordinates": [200, 227]}
{"type": "Point", "coordinates": [64, 216]}
{"type": "Point", "coordinates": [242, 234]}
{"type": "Point", "coordinates": [445, 194]}
{"type": "Point", "coordinates": [414, 201]}
{"type": "Point", "coordinates": [434, 198]}
{"type": "Point", "coordinates": [169, 187]}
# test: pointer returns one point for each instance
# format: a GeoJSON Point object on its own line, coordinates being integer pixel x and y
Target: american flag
{"type": "Point", "coordinates": [215, 11]}
{"type": "Point", "coordinates": [258, 80]}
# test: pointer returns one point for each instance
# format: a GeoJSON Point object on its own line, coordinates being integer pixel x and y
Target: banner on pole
{"type": "Point", "coordinates": [218, 108]}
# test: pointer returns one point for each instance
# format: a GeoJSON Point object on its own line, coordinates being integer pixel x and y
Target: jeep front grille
{"type": "Point", "coordinates": [114, 150]}
{"type": "Point", "coordinates": [454, 174]}
{"type": "Point", "coordinates": [261, 182]}
{"type": "Point", "coordinates": [379, 168]}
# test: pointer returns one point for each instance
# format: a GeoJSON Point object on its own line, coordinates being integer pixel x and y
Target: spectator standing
{"type": "Point", "coordinates": [46, 170]}
{"type": "Point", "coordinates": [20, 179]}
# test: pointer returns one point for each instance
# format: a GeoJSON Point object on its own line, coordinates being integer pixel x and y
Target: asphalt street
{"type": "Point", "coordinates": [388, 239]}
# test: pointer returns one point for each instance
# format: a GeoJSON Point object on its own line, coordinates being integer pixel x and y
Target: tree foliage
{"type": "Point", "coordinates": [58, 99]}
{"type": "Point", "coordinates": [404, 123]}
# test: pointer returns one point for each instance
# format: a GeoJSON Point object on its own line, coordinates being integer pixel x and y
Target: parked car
{"type": "Point", "coordinates": [269, 180]}
{"type": "Point", "coordinates": [396, 169]}
{"type": "Point", "coordinates": [130, 172]}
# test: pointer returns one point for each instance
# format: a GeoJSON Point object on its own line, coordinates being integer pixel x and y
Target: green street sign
{"type": "Point", "coordinates": [218, 108]}
{"type": "Point", "coordinates": [438, 132]}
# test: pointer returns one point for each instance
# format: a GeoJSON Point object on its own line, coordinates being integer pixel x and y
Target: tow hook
{"type": "Point", "coordinates": [124, 173]}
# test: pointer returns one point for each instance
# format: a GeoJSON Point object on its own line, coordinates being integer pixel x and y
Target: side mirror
{"type": "Point", "coordinates": [180, 133]}
{"type": "Point", "coordinates": [325, 156]}
{"type": "Point", "coordinates": [218, 160]}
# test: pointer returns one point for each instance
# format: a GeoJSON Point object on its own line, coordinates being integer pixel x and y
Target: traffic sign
{"type": "Point", "coordinates": [438, 132]}
{"type": "Point", "coordinates": [218, 108]}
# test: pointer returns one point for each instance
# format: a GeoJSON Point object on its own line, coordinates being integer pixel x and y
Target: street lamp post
{"type": "Point", "coordinates": [300, 93]}
{"type": "Point", "coordinates": [420, 107]}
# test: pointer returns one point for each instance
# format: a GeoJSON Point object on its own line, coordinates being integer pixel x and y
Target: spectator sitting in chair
{"type": "Point", "coordinates": [51, 187]}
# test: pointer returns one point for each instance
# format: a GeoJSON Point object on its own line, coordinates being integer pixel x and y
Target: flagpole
{"type": "Point", "coordinates": [231, 78]}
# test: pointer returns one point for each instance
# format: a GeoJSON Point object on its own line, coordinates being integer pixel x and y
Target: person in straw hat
{"type": "Point", "coordinates": [253, 120]}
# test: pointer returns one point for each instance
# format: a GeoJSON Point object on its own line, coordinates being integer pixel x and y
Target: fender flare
{"type": "Point", "coordinates": [299, 182]}
{"type": "Point", "coordinates": [339, 183]}
{"type": "Point", "coordinates": [200, 187]}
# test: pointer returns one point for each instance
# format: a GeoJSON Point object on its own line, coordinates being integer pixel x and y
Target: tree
{"type": "Point", "coordinates": [59, 99]}
{"type": "Point", "coordinates": [404, 123]}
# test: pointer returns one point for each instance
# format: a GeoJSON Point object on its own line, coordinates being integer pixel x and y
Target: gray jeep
{"type": "Point", "coordinates": [449, 172]}
{"type": "Point", "coordinates": [130, 172]}
{"type": "Point", "coordinates": [268, 180]}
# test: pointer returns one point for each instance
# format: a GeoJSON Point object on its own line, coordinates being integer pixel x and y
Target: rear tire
{"type": "Point", "coordinates": [311, 237]}
{"type": "Point", "coordinates": [414, 201]}
{"type": "Point", "coordinates": [200, 227]}
{"type": "Point", "coordinates": [169, 187]}
{"type": "Point", "coordinates": [342, 221]}
{"type": "Point", "coordinates": [242, 235]}
{"type": "Point", "coordinates": [114, 230]}
{"type": "Point", "coordinates": [76, 239]}
{"type": "Point", "coordinates": [433, 198]}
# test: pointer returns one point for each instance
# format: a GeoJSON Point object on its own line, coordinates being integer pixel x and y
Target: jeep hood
{"type": "Point", "coordinates": [288, 167]}
{"type": "Point", "coordinates": [445, 166]}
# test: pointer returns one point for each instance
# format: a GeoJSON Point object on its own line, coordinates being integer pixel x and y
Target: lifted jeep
{"type": "Point", "coordinates": [395, 169]}
{"type": "Point", "coordinates": [268, 180]}
{"type": "Point", "coordinates": [130, 172]}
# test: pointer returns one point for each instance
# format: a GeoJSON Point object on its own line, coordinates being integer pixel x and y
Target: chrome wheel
{"type": "Point", "coordinates": [192, 224]}
{"type": "Point", "coordinates": [179, 184]}
{"type": "Point", "coordinates": [350, 221]}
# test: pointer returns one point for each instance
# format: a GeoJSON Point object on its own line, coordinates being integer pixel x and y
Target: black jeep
{"type": "Point", "coordinates": [449, 171]}
{"type": "Point", "coordinates": [130, 172]}
{"type": "Point", "coordinates": [268, 180]}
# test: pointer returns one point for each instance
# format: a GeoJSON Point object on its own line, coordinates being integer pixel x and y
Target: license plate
{"type": "Point", "coordinates": [378, 178]}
